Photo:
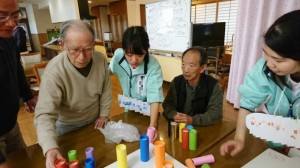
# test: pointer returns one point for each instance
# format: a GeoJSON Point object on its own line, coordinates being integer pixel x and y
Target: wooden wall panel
{"type": "Point", "coordinates": [117, 44]}
{"type": "Point", "coordinates": [118, 7]}
{"type": "Point", "coordinates": [97, 22]}
{"type": "Point", "coordinates": [43, 38]}
{"type": "Point", "coordinates": [143, 15]}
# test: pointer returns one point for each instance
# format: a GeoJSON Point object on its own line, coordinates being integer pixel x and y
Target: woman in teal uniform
{"type": "Point", "coordinates": [139, 73]}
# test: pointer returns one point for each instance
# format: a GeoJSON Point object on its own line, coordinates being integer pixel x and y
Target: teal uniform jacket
{"type": "Point", "coordinates": [141, 84]}
{"type": "Point", "coordinates": [258, 88]}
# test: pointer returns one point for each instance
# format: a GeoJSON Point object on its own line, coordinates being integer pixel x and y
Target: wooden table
{"type": "Point", "coordinates": [105, 152]}
{"type": "Point", "coordinates": [253, 147]}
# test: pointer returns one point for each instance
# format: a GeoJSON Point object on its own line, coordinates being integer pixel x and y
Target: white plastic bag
{"type": "Point", "coordinates": [118, 131]}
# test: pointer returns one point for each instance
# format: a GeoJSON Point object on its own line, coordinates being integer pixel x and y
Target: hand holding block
{"type": "Point", "coordinates": [151, 132]}
{"type": "Point", "coordinates": [60, 163]}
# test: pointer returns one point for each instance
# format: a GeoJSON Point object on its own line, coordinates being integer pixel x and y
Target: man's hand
{"type": "Point", "coordinates": [30, 105]}
{"type": "Point", "coordinates": [51, 156]}
{"type": "Point", "coordinates": [101, 122]}
{"type": "Point", "coordinates": [183, 118]}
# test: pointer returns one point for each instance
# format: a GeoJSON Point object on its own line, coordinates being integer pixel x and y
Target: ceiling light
{"type": "Point", "coordinates": [89, 2]}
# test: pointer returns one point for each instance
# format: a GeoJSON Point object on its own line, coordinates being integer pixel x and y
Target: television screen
{"type": "Point", "coordinates": [208, 34]}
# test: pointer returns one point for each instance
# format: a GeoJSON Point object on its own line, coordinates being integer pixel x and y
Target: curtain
{"type": "Point", "coordinates": [253, 19]}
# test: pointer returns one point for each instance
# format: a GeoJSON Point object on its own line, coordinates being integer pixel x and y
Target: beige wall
{"type": "Point", "coordinates": [36, 43]}
{"type": "Point", "coordinates": [170, 66]}
{"type": "Point", "coordinates": [43, 20]}
{"type": "Point", "coordinates": [39, 20]}
{"type": "Point", "coordinates": [136, 12]}
{"type": "Point", "coordinates": [131, 13]}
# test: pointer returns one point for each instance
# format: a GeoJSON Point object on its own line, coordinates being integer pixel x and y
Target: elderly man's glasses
{"type": "Point", "coordinates": [14, 16]}
{"type": "Point", "coordinates": [87, 51]}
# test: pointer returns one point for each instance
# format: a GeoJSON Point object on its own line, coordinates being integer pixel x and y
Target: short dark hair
{"type": "Point", "coordinates": [201, 51]}
{"type": "Point", "coordinates": [75, 24]}
{"type": "Point", "coordinates": [283, 36]}
{"type": "Point", "coordinates": [135, 40]}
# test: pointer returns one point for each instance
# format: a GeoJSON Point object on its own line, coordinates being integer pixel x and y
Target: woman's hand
{"type": "Point", "coordinates": [231, 147]}
{"type": "Point", "coordinates": [156, 136]}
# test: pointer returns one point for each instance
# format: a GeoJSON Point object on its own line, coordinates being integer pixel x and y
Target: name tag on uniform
{"type": "Point", "coordinates": [141, 89]}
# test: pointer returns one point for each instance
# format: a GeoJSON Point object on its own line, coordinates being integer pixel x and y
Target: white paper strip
{"type": "Point", "coordinates": [277, 129]}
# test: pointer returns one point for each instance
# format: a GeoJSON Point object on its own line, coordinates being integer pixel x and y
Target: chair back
{"type": "Point", "coordinates": [28, 60]}
{"type": "Point", "coordinates": [31, 58]}
{"type": "Point", "coordinates": [101, 49]}
{"type": "Point", "coordinates": [215, 52]}
{"type": "Point", "coordinates": [39, 71]}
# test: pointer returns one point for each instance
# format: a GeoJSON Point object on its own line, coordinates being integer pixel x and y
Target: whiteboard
{"type": "Point", "coordinates": [169, 25]}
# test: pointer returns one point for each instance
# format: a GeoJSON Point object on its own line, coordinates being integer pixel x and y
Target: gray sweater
{"type": "Point", "coordinates": [69, 97]}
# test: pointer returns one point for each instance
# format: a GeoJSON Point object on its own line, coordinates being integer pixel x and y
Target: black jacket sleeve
{"type": "Point", "coordinates": [170, 102]}
{"type": "Point", "coordinates": [24, 87]}
{"type": "Point", "coordinates": [214, 109]}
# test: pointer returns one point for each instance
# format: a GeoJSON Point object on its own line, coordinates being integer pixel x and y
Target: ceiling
{"type": "Point", "coordinates": [94, 2]}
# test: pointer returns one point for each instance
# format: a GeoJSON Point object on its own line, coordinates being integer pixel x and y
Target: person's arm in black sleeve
{"type": "Point", "coordinates": [170, 102]}
{"type": "Point", "coordinates": [24, 87]}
